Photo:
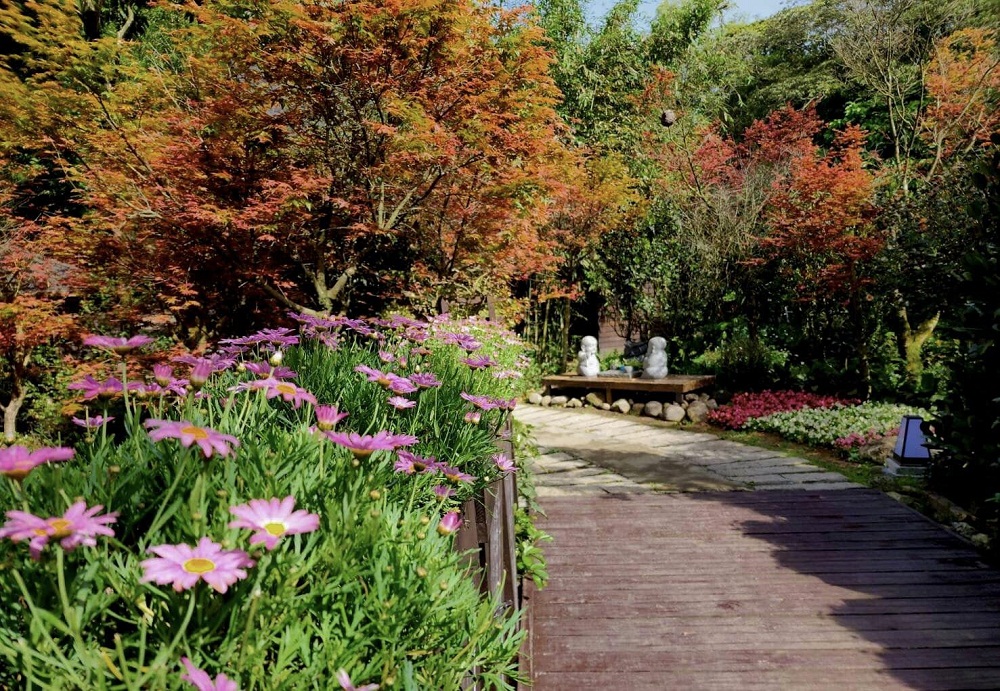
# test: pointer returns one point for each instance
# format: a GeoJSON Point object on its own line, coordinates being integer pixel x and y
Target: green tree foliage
{"type": "Point", "coordinates": [968, 426]}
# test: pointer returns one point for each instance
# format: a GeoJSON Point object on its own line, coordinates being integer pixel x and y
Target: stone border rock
{"type": "Point", "coordinates": [694, 408]}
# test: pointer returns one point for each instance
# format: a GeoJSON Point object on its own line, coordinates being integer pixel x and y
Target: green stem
{"type": "Point", "coordinates": [64, 597]}
{"type": "Point", "coordinates": [168, 652]}
{"type": "Point", "coordinates": [168, 496]}
{"type": "Point", "coordinates": [45, 632]}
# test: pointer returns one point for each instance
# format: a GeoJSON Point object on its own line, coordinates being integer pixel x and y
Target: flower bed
{"type": "Point", "coordinates": [806, 418]}
{"type": "Point", "coordinates": [280, 512]}
{"type": "Point", "coordinates": [749, 406]}
{"type": "Point", "coordinates": [842, 427]}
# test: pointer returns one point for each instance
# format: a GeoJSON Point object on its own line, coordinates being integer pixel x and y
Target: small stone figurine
{"type": "Point", "coordinates": [654, 365]}
{"type": "Point", "coordinates": [589, 365]}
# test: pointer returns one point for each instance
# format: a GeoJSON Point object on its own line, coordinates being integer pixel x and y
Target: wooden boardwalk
{"type": "Point", "coordinates": [759, 590]}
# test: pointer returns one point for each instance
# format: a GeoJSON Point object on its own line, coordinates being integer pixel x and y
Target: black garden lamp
{"type": "Point", "coordinates": [911, 454]}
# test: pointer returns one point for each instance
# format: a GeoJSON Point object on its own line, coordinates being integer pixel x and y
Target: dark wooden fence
{"type": "Point", "coordinates": [487, 533]}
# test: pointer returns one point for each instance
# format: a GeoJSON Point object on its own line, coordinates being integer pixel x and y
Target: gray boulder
{"type": "Point", "coordinates": [673, 413]}
{"type": "Point", "coordinates": [653, 409]}
{"type": "Point", "coordinates": [534, 398]}
{"type": "Point", "coordinates": [605, 406]}
{"type": "Point", "coordinates": [574, 403]}
{"type": "Point", "coordinates": [594, 399]}
{"type": "Point", "coordinates": [622, 406]}
{"type": "Point", "coordinates": [559, 400]}
{"type": "Point", "coordinates": [697, 411]}
{"type": "Point", "coordinates": [712, 405]}
{"type": "Point", "coordinates": [546, 400]}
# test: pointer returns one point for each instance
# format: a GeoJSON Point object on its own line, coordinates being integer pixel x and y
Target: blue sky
{"type": "Point", "coordinates": [747, 9]}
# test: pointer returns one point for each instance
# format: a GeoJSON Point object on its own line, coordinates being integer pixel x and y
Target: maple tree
{"type": "Point", "coordinates": [316, 153]}
{"type": "Point", "coordinates": [963, 88]}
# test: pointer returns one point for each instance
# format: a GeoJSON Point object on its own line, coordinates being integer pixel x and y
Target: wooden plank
{"type": "Point", "coordinates": [674, 383]}
{"type": "Point", "coordinates": [774, 680]}
{"type": "Point", "coordinates": [752, 658]}
{"type": "Point", "coordinates": [768, 590]}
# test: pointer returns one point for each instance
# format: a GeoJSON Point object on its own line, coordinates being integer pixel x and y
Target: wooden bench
{"type": "Point", "coordinates": [676, 384]}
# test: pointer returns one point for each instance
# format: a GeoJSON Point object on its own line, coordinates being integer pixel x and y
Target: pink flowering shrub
{"type": "Point", "coordinates": [297, 491]}
{"type": "Point", "coordinates": [856, 440]}
{"type": "Point", "coordinates": [748, 406]}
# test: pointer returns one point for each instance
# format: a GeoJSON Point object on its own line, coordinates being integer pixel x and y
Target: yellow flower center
{"type": "Point", "coordinates": [196, 432]}
{"type": "Point", "coordinates": [286, 389]}
{"type": "Point", "coordinates": [19, 471]}
{"type": "Point", "coordinates": [275, 528]}
{"type": "Point", "coordinates": [383, 381]}
{"type": "Point", "coordinates": [199, 565]}
{"type": "Point", "coordinates": [60, 527]}
{"type": "Point", "coordinates": [362, 453]}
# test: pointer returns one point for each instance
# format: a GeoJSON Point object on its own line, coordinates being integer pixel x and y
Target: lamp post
{"type": "Point", "coordinates": [910, 456]}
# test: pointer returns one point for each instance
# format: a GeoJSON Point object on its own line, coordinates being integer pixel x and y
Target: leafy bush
{"type": "Point", "coordinates": [824, 426]}
{"type": "Point", "coordinates": [745, 363]}
{"type": "Point", "coordinates": [745, 407]}
{"type": "Point", "coordinates": [360, 581]}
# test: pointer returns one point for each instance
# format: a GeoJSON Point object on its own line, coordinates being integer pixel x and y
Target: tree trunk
{"type": "Point", "coordinates": [911, 342]}
{"type": "Point", "coordinates": [10, 412]}
{"type": "Point", "coordinates": [567, 313]}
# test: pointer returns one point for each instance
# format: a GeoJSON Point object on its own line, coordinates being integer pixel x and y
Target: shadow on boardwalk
{"type": "Point", "coordinates": [776, 590]}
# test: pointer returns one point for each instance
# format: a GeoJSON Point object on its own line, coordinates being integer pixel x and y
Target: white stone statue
{"type": "Point", "coordinates": [589, 365]}
{"type": "Point", "coordinates": [654, 365]}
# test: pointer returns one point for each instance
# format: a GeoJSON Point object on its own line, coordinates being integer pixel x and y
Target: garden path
{"type": "Point", "coordinates": [662, 577]}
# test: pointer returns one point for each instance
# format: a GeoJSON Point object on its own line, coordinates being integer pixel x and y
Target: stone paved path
{"type": "Point", "coordinates": [826, 586]}
{"type": "Point", "coordinates": [587, 452]}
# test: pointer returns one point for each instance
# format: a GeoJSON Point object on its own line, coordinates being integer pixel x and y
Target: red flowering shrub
{"type": "Point", "coordinates": [747, 406]}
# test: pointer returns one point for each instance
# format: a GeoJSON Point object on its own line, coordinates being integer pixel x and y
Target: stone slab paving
{"type": "Point", "coordinates": [642, 456]}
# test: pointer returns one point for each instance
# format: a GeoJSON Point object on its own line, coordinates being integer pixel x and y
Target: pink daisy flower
{"type": "Point", "coordinates": [363, 446]}
{"type": "Point", "coordinates": [503, 462]}
{"type": "Point", "coordinates": [507, 374]}
{"type": "Point", "coordinates": [163, 374]}
{"type": "Point", "coordinates": [454, 475]}
{"type": "Point", "coordinates": [344, 679]}
{"type": "Point", "coordinates": [449, 523]}
{"type": "Point", "coordinates": [399, 384]}
{"type": "Point", "coordinates": [376, 376]}
{"type": "Point", "coordinates": [273, 519]}
{"type": "Point", "coordinates": [92, 388]}
{"type": "Point", "coordinates": [265, 370]}
{"type": "Point", "coordinates": [182, 566]}
{"type": "Point", "coordinates": [209, 440]}
{"type": "Point", "coordinates": [218, 361]}
{"type": "Point", "coordinates": [78, 526]}
{"type": "Point", "coordinates": [443, 491]}
{"type": "Point", "coordinates": [93, 422]}
{"type": "Point", "coordinates": [388, 380]}
{"type": "Point", "coordinates": [400, 403]}
{"type": "Point", "coordinates": [481, 402]}
{"type": "Point", "coordinates": [386, 356]}
{"type": "Point", "coordinates": [463, 341]}
{"type": "Point", "coordinates": [411, 463]}
{"type": "Point", "coordinates": [480, 362]}
{"type": "Point", "coordinates": [425, 380]}
{"type": "Point", "coordinates": [16, 461]}
{"type": "Point", "coordinates": [327, 417]}
{"type": "Point", "coordinates": [289, 392]}
{"type": "Point", "coordinates": [117, 345]}
{"type": "Point", "coordinates": [200, 373]}
{"type": "Point", "coordinates": [199, 679]}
